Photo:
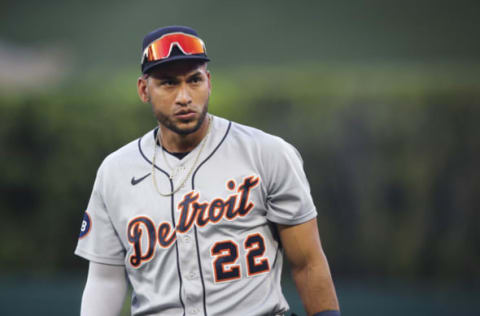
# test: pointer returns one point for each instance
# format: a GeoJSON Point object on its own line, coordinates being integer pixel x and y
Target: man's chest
{"type": "Point", "coordinates": [214, 198]}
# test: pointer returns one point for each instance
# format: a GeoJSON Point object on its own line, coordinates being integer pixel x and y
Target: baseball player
{"type": "Point", "coordinates": [196, 214]}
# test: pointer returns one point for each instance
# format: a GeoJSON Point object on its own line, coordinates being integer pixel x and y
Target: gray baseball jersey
{"type": "Point", "coordinates": [211, 248]}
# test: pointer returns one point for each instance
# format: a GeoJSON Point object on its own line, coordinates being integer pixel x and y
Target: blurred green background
{"type": "Point", "coordinates": [382, 99]}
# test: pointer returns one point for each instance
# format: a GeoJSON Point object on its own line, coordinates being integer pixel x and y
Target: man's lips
{"type": "Point", "coordinates": [185, 115]}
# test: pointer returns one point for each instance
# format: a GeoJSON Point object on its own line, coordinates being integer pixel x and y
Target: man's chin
{"type": "Point", "coordinates": [186, 127]}
{"type": "Point", "coordinates": [183, 126]}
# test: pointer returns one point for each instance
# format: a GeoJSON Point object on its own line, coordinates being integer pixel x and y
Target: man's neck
{"type": "Point", "coordinates": [178, 143]}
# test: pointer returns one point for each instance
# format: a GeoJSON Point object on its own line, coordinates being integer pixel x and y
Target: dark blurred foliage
{"type": "Point", "coordinates": [391, 152]}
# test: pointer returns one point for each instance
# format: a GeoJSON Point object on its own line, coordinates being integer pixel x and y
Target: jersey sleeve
{"type": "Point", "coordinates": [98, 241]}
{"type": "Point", "coordinates": [289, 201]}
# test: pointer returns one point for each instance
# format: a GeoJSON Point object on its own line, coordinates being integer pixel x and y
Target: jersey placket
{"type": "Point", "coordinates": [192, 288]}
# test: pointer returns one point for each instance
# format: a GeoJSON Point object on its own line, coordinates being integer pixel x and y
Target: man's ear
{"type": "Point", "coordinates": [209, 82]}
{"type": "Point", "coordinates": [142, 89]}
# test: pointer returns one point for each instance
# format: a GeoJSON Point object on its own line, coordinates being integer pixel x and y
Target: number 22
{"type": "Point", "coordinates": [226, 255]}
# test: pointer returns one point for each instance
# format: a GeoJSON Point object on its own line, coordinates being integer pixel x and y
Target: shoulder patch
{"type": "Point", "coordinates": [86, 225]}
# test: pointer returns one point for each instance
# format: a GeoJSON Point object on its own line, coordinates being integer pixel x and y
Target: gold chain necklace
{"type": "Point", "coordinates": [202, 145]}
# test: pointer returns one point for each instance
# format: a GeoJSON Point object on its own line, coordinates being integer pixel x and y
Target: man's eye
{"type": "Point", "coordinates": [168, 83]}
{"type": "Point", "coordinates": [196, 80]}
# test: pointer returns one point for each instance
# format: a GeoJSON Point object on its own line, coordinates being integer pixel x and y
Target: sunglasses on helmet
{"type": "Point", "coordinates": [162, 47]}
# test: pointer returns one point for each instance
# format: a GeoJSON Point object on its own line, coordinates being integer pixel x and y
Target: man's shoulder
{"type": "Point", "coordinates": [127, 153]}
{"type": "Point", "coordinates": [253, 133]}
{"type": "Point", "coordinates": [253, 136]}
{"type": "Point", "coordinates": [272, 152]}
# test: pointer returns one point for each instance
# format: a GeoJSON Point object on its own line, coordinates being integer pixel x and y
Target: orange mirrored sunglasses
{"type": "Point", "coordinates": [162, 47]}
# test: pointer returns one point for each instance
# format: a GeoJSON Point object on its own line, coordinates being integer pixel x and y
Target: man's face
{"type": "Point", "coordinates": [179, 93]}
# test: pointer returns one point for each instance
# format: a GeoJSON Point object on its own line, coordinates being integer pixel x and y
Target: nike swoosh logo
{"type": "Point", "coordinates": [137, 181]}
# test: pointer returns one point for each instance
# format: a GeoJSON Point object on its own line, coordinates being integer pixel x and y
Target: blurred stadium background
{"type": "Point", "coordinates": [381, 98]}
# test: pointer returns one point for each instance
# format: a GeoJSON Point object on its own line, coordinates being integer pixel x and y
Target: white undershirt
{"type": "Point", "coordinates": [105, 290]}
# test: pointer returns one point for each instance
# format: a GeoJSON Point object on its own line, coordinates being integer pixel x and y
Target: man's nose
{"type": "Point", "coordinates": [183, 95]}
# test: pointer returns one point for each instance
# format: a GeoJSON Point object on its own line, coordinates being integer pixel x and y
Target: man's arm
{"type": "Point", "coordinates": [105, 290]}
{"type": "Point", "coordinates": [309, 266]}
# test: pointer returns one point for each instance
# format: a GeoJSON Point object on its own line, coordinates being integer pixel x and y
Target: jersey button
{"type": "Point", "coordinates": [192, 275]}
{"type": "Point", "coordinates": [194, 310]}
{"type": "Point", "coordinates": [187, 239]}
